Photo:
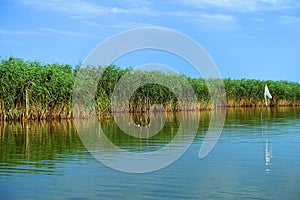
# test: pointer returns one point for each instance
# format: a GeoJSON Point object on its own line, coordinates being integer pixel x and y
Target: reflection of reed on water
{"type": "Point", "coordinates": [44, 140]}
{"type": "Point", "coordinates": [35, 141]}
{"type": "Point", "coordinates": [141, 119]}
{"type": "Point", "coordinates": [151, 130]}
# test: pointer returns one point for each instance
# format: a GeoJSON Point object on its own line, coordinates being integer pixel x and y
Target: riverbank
{"type": "Point", "coordinates": [32, 90]}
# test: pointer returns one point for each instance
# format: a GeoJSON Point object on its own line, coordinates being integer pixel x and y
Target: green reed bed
{"type": "Point", "coordinates": [32, 90]}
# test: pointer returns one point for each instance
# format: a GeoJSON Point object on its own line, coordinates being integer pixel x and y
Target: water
{"type": "Point", "coordinates": [254, 158]}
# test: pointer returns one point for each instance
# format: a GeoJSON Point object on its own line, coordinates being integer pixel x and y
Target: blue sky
{"type": "Point", "coordinates": [246, 39]}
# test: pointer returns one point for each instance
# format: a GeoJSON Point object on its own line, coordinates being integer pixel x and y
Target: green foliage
{"type": "Point", "coordinates": [49, 89]}
{"type": "Point", "coordinates": [31, 90]}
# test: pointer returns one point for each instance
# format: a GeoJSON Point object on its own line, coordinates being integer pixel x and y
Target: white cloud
{"type": "Point", "coordinates": [9, 42]}
{"type": "Point", "coordinates": [216, 21]}
{"type": "Point", "coordinates": [216, 17]}
{"type": "Point", "coordinates": [79, 8]}
{"type": "Point", "coordinates": [65, 32]}
{"type": "Point", "coordinates": [18, 32]}
{"type": "Point", "coordinates": [130, 25]}
{"type": "Point", "coordinates": [134, 15]}
{"type": "Point", "coordinates": [209, 20]}
{"type": "Point", "coordinates": [43, 31]}
{"type": "Point", "coordinates": [245, 5]}
{"type": "Point", "coordinates": [289, 20]}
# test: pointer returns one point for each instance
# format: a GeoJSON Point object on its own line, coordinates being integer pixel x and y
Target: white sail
{"type": "Point", "coordinates": [267, 94]}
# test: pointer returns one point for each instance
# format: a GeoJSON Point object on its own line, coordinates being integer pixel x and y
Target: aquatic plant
{"type": "Point", "coordinates": [32, 90]}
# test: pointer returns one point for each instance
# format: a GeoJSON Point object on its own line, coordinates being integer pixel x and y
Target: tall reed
{"type": "Point", "coordinates": [32, 90]}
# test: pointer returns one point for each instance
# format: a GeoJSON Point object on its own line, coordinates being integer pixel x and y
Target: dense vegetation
{"type": "Point", "coordinates": [31, 90]}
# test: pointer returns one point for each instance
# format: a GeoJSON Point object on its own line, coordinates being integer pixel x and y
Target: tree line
{"type": "Point", "coordinates": [32, 90]}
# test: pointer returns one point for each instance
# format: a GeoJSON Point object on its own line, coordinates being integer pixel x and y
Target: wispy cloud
{"type": "Point", "coordinates": [9, 42]}
{"type": "Point", "coordinates": [134, 15]}
{"type": "Point", "coordinates": [44, 31]}
{"type": "Point", "coordinates": [289, 20]}
{"type": "Point", "coordinates": [18, 32]}
{"type": "Point", "coordinates": [245, 5]}
{"type": "Point", "coordinates": [65, 32]}
{"type": "Point", "coordinates": [216, 21]}
{"type": "Point", "coordinates": [79, 8]}
{"type": "Point", "coordinates": [130, 25]}
{"type": "Point", "coordinates": [207, 20]}
{"type": "Point", "coordinates": [216, 17]}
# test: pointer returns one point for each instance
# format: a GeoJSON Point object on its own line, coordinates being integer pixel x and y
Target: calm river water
{"type": "Point", "coordinates": [253, 159]}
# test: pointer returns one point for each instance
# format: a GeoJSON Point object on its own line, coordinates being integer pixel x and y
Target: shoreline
{"type": "Point", "coordinates": [106, 115]}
